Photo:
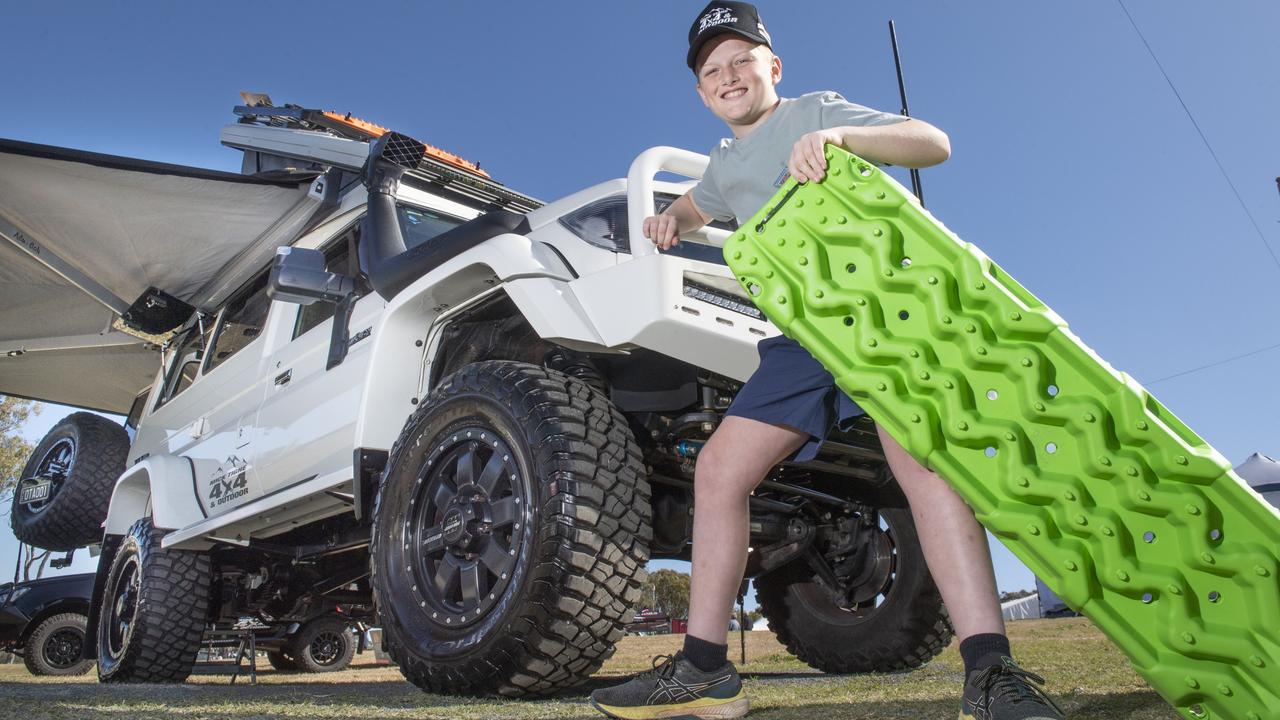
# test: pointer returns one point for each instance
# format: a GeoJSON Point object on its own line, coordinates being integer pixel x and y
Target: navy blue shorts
{"type": "Point", "coordinates": [792, 388]}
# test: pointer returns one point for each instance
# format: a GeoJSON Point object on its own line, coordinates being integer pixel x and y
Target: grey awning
{"type": "Point", "coordinates": [82, 235]}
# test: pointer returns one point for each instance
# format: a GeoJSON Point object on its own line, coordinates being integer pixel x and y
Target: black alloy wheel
{"type": "Point", "coordinates": [510, 533]}
{"type": "Point", "coordinates": [325, 644]}
{"type": "Point", "coordinates": [155, 605]}
{"type": "Point", "coordinates": [463, 525]}
{"type": "Point", "coordinates": [55, 646]}
{"type": "Point", "coordinates": [52, 470]}
{"type": "Point", "coordinates": [326, 648]}
{"type": "Point", "coordinates": [63, 648]}
{"type": "Point", "coordinates": [121, 605]}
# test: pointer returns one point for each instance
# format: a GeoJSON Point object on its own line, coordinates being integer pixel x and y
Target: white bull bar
{"type": "Point", "coordinates": [640, 193]}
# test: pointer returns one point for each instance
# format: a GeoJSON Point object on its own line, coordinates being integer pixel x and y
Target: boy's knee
{"type": "Point", "coordinates": [711, 465]}
{"type": "Point", "coordinates": [708, 465]}
{"type": "Point", "coordinates": [716, 473]}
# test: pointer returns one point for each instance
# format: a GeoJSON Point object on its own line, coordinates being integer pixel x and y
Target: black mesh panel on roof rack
{"type": "Point", "coordinates": [403, 151]}
{"type": "Point", "coordinates": [406, 152]}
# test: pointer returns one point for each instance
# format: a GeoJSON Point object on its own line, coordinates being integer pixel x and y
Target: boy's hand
{"type": "Point", "coordinates": [663, 230]}
{"type": "Point", "coordinates": [809, 156]}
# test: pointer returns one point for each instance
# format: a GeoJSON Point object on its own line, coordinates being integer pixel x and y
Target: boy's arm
{"type": "Point", "coordinates": [911, 143]}
{"type": "Point", "coordinates": [681, 216]}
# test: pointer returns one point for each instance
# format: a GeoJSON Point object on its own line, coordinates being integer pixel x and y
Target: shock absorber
{"type": "Point", "coordinates": [688, 449]}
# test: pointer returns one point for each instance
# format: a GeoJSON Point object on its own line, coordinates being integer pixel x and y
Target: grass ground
{"type": "Point", "coordinates": [1086, 673]}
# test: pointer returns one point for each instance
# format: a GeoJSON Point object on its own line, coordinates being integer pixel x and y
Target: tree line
{"type": "Point", "coordinates": [667, 591]}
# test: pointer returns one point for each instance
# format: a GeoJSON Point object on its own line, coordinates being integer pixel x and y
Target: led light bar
{"type": "Point", "coordinates": [720, 298]}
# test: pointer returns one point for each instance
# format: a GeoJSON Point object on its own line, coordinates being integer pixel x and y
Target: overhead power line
{"type": "Point", "coordinates": [1257, 228]}
{"type": "Point", "coordinates": [1224, 361]}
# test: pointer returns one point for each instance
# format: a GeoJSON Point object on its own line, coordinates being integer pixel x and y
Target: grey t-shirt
{"type": "Point", "coordinates": [745, 173]}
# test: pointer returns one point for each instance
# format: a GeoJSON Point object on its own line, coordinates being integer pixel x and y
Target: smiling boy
{"type": "Point", "coordinates": [786, 408]}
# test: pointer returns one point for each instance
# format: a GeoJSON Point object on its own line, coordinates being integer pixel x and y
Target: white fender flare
{"type": "Point", "coordinates": [507, 260]}
{"type": "Point", "coordinates": [163, 486]}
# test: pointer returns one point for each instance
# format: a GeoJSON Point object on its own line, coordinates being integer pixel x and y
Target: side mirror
{"type": "Point", "coordinates": [298, 276]}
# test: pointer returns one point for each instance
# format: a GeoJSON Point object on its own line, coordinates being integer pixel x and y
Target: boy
{"type": "Point", "coordinates": [786, 408]}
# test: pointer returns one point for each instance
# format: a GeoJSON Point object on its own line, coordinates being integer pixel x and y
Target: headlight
{"type": "Point", "coordinates": [603, 223]}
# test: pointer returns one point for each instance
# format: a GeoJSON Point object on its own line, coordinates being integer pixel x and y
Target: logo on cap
{"type": "Point", "coordinates": [718, 16]}
{"type": "Point", "coordinates": [721, 16]}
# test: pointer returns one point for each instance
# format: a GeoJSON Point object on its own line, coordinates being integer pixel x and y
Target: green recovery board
{"type": "Point", "coordinates": [1119, 507]}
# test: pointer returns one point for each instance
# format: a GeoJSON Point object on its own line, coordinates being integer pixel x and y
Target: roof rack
{"type": "Point", "coordinates": [326, 138]}
{"type": "Point", "coordinates": [258, 109]}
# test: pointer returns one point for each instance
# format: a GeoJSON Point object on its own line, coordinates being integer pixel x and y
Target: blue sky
{"type": "Point", "coordinates": [1074, 165]}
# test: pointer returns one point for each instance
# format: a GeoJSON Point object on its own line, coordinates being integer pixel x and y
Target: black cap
{"type": "Point", "coordinates": [718, 18]}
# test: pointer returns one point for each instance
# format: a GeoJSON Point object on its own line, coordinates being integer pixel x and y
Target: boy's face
{"type": "Point", "coordinates": [736, 79]}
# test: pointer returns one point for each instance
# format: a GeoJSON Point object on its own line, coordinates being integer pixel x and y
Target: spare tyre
{"type": "Point", "coordinates": [62, 496]}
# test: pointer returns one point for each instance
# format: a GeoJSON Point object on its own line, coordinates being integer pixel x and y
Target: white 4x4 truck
{"type": "Point", "coordinates": [375, 376]}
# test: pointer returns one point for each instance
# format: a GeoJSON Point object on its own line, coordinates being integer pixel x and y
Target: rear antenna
{"type": "Point", "coordinates": [902, 93]}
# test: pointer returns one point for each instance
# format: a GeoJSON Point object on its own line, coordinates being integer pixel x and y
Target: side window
{"type": "Point", "coordinates": [135, 414]}
{"type": "Point", "coordinates": [339, 257]}
{"type": "Point", "coordinates": [419, 225]}
{"type": "Point", "coordinates": [241, 322]}
{"type": "Point", "coordinates": [186, 362]}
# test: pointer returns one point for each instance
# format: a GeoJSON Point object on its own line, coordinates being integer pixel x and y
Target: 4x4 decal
{"type": "Point", "coordinates": [228, 482]}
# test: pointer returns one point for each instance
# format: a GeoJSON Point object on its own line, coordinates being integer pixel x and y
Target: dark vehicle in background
{"type": "Point", "coordinates": [44, 620]}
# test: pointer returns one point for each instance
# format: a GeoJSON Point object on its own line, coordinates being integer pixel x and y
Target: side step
{"type": "Point", "coordinates": [1119, 507]}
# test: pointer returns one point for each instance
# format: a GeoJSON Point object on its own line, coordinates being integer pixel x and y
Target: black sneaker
{"type": "Point", "coordinates": [674, 688]}
{"type": "Point", "coordinates": [1006, 692]}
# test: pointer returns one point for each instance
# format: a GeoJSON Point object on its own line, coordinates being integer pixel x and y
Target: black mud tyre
{"type": "Point", "coordinates": [56, 646]}
{"type": "Point", "coordinates": [511, 533]}
{"type": "Point", "coordinates": [325, 644]}
{"type": "Point", "coordinates": [155, 605]}
{"type": "Point", "coordinates": [74, 468]}
{"type": "Point", "coordinates": [896, 622]}
{"type": "Point", "coordinates": [280, 661]}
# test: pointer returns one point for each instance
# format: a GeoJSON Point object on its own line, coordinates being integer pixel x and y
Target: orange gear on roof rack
{"type": "Point", "coordinates": [356, 123]}
{"type": "Point", "coordinates": [375, 131]}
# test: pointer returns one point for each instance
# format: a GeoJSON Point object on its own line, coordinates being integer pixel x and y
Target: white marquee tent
{"type": "Point", "coordinates": [1263, 475]}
